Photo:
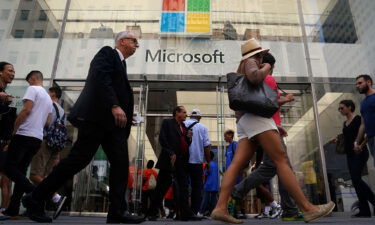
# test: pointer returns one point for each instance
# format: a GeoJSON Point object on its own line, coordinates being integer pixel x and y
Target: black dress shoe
{"type": "Point", "coordinates": [152, 218]}
{"type": "Point", "coordinates": [35, 210]}
{"type": "Point", "coordinates": [128, 219]}
{"type": "Point", "coordinates": [191, 218]}
{"type": "Point", "coordinates": [361, 215]}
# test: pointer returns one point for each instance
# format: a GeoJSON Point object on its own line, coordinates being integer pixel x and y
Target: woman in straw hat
{"type": "Point", "coordinates": [253, 130]}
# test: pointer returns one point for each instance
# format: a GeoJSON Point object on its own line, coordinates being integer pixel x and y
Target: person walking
{"type": "Point", "coordinates": [211, 187]}
{"type": "Point", "coordinates": [27, 138]}
{"type": "Point", "coordinates": [267, 169]}
{"type": "Point", "coordinates": [7, 118]}
{"type": "Point", "coordinates": [149, 177]}
{"type": "Point", "coordinates": [46, 158]}
{"type": "Point", "coordinates": [364, 86]}
{"type": "Point", "coordinates": [172, 163]}
{"type": "Point", "coordinates": [251, 129]}
{"type": "Point", "coordinates": [356, 158]}
{"type": "Point", "coordinates": [103, 115]}
{"type": "Point", "coordinates": [199, 151]}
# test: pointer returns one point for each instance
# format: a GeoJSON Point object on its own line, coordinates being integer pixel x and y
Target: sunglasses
{"type": "Point", "coordinates": [133, 39]}
{"type": "Point", "coordinates": [340, 108]}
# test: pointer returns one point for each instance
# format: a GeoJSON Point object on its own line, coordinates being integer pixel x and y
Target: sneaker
{"type": "Point", "coordinates": [292, 217]}
{"type": "Point", "coordinates": [4, 217]}
{"type": "Point", "coordinates": [59, 206]}
{"type": "Point", "coordinates": [276, 212]}
{"type": "Point", "coordinates": [262, 216]}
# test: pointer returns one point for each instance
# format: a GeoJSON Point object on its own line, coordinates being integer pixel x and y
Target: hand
{"type": "Point", "coordinates": [333, 140]}
{"type": "Point", "coordinates": [208, 167]}
{"type": "Point", "coordinates": [189, 134]}
{"type": "Point", "coordinates": [173, 159]}
{"type": "Point", "coordinates": [5, 148]}
{"type": "Point", "coordinates": [357, 147]}
{"type": "Point", "coordinates": [5, 97]}
{"type": "Point", "coordinates": [120, 116]}
{"type": "Point", "coordinates": [282, 131]}
{"type": "Point", "coordinates": [289, 97]}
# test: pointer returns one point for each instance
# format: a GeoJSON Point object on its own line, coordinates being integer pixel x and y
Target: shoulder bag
{"type": "Point", "coordinates": [258, 99]}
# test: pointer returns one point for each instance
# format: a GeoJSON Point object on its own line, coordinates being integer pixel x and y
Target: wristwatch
{"type": "Point", "coordinates": [114, 106]}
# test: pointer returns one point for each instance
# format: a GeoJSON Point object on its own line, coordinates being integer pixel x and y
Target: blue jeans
{"type": "Point", "coordinates": [209, 201]}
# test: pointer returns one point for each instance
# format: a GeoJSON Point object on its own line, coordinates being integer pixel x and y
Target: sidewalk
{"type": "Point", "coordinates": [336, 218]}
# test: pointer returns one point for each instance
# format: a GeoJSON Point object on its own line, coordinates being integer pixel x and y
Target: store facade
{"type": "Point", "coordinates": [186, 49]}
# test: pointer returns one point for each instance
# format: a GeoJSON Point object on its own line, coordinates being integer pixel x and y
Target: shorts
{"type": "Point", "coordinates": [249, 125]}
{"type": "Point", "coordinates": [43, 161]}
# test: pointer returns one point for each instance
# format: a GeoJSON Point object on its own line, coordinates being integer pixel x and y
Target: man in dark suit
{"type": "Point", "coordinates": [103, 115]}
{"type": "Point", "coordinates": [174, 139]}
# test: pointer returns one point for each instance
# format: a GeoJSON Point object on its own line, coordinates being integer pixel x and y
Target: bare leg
{"type": "Point", "coordinates": [244, 152]}
{"type": "Point", "coordinates": [270, 142]}
{"type": "Point", "coordinates": [5, 191]}
{"type": "Point", "coordinates": [268, 197]}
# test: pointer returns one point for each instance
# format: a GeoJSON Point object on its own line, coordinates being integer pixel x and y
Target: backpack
{"type": "Point", "coordinates": [57, 134]}
{"type": "Point", "coordinates": [151, 182]}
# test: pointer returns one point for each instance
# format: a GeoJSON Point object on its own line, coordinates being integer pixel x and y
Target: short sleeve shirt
{"type": "Point", "coordinates": [229, 153]}
{"type": "Point", "coordinates": [200, 140]}
{"type": "Point", "coordinates": [36, 120]}
{"type": "Point", "coordinates": [368, 114]}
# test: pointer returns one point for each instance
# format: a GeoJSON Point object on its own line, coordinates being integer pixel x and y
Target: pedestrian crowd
{"type": "Point", "coordinates": [186, 184]}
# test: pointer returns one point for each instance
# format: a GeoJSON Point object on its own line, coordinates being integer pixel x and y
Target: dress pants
{"type": "Point", "coordinates": [180, 189]}
{"type": "Point", "coordinates": [196, 182]}
{"type": "Point", "coordinates": [356, 164]}
{"type": "Point", "coordinates": [20, 153]}
{"type": "Point", "coordinates": [371, 145]}
{"type": "Point", "coordinates": [90, 136]}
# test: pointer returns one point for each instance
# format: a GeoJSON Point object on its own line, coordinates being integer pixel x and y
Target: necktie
{"type": "Point", "coordinates": [124, 63]}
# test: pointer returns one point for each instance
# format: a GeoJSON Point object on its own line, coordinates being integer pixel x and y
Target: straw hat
{"type": "Point", "coordinates": [251, 47]}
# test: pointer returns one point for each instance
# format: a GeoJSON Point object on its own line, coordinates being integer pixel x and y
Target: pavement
{"type": "Point", "coordinates": [335, 218]}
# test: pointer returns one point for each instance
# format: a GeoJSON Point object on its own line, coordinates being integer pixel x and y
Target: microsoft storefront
{"type": "Point", "coordinates": [186, 48]}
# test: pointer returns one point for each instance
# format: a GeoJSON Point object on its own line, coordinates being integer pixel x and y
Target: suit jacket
{"type": "Point", "coordinates": [169, 139]}
{"type": "Point", "coordinates": [106, 85]}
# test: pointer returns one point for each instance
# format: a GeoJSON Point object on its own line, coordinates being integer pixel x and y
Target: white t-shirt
{"type": "Point", "coordinates": [42, 106]}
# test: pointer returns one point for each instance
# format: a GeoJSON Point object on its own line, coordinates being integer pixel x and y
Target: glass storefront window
{"type": "Point", "coordinates": [340, 181]}
{"type": "Point", "coordinates": [190, 69]}
{"type": "Point", "coordinates": [23, 30]}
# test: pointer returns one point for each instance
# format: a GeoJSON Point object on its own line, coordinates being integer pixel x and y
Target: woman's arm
{"type": "Point", "coordinates": [256, 72]}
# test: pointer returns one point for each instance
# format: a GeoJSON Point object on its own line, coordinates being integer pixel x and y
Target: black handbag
{"type": "Point", "coordinates": [340, 144]}
{"type": "Point", "coordinates": [258, 99]}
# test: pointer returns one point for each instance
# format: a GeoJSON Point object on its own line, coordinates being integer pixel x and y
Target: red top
{"type": "Point", "coordinates": [270, 81]}
{"type": "Point", "coordinates": [182, 131]}
{"type": "Point", "coordinates": [169, 194]}
{"type": "Point", "coordinates": [146, 177]}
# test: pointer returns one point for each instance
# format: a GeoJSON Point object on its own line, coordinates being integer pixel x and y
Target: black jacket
{"type": "Point", "coordinates": [7, 118]}
{"type": "Point", "coordinates": [106, 85]}
{"type": "Point", "coordinates": [170, 142]}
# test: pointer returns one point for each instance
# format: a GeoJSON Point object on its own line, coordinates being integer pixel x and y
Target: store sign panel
{"type": "Point", "coordinates": [186, 17]}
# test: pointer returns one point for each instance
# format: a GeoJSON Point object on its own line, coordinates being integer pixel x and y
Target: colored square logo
{"type": "Point", "coordinates": [198, 6]}
{"type": "Point", "coordinates": [198, 23]}
{"type": "Point", "coordinates": [172, 22]}
{"type": "Point", "coordinates": [174, 5]}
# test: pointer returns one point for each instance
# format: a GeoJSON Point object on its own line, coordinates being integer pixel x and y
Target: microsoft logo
{"type": "Point", "coordinates": [186, 17]}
